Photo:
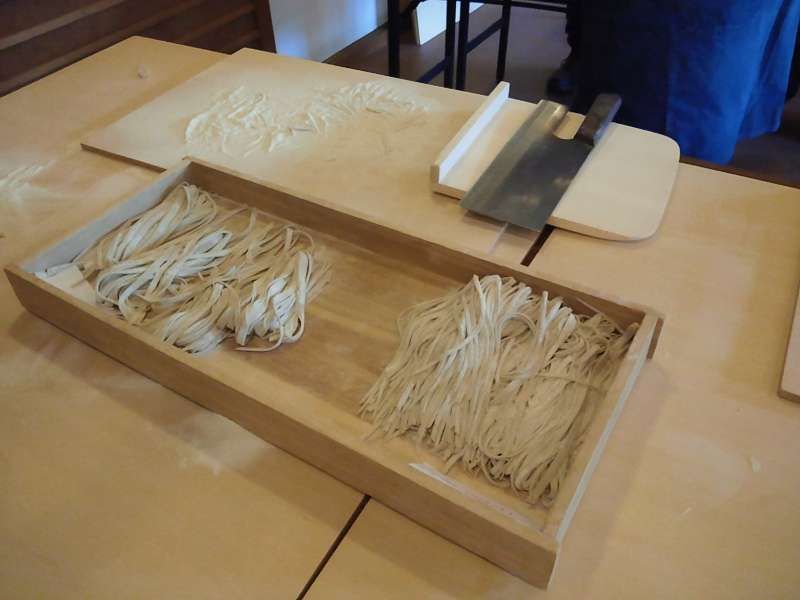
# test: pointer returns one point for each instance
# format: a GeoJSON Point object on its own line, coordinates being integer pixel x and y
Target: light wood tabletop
{"type": "Point", "coordinates": [115, 486]}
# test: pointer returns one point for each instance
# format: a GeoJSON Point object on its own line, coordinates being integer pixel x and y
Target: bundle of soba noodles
{"type": "Point", "coordinates": [195, 273]}
{"type": "Point", "coordinates": [498, 379]}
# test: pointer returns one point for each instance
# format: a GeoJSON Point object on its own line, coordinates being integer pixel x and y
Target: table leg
{"type": "Point", "coordinates": [463, 40]}
{"type": "Point", "coordinates": [503, 47]}
{"type": "Point", "coordinates": [450, 43]}
{"type": "Point", "coordinates": [393, 9]}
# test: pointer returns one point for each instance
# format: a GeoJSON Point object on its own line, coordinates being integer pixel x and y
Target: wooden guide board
{"type": "Point", "coordinates": [304, 398]}
{"type": "Point", "coordinates": [620, 192]}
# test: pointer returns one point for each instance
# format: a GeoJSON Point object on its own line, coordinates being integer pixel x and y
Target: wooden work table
{"type": "Point", "coordinates": [116, 487]}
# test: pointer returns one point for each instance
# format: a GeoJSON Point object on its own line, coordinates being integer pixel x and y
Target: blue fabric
{"type": "Point", "coordinates": [706, 73]}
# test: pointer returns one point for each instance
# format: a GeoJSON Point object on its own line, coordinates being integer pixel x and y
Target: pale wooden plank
{"type": "Point", "coordinates": [384, 176]}
{"type": "Point", "coordinates": [469, 132]}
{"type": "Point", "coordinates": [91, 93]}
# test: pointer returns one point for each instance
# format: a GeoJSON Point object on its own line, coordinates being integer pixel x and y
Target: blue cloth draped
{"type": "Point", "coordinates": [706, 73]}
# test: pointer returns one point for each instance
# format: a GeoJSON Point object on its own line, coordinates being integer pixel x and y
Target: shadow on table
{"type": "Point", "coordinates": [215, 442]}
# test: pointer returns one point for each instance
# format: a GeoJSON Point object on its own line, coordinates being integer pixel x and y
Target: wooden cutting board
{"type": "Point", "coordinates": [381, 173]}
{"type": "Point", "coordinates": [384, 172]}
{"type": "Point", "coordinates": [620, 192]}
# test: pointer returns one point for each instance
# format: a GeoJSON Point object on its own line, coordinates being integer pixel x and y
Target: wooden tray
{"type": "Point", "coordinates": [304, 397]}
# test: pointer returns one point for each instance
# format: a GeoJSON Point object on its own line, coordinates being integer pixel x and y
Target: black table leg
{"type": "Point", "coordinates": [393, 7]}
{"type": "Point", "coordinates": [450, 43]}
{"type": "Point", "coordinates": [463, 40]}
{"type": "Point", "coordinates": [503, 47]}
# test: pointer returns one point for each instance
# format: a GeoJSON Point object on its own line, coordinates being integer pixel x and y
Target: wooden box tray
{"type": "Point", "coordinates": [304, 397]}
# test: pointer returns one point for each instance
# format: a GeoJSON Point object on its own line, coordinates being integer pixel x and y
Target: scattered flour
{"type": "Point", "coordinates": [755, 464]}
{"type": "Point", "coordinates": [69, 278]}
{"type": "Point", "coordinates": [16, 185]}
{"type": "Point", "coordinates": [217, 443]}
{"type": "Point", "coordinates": [240, 122]}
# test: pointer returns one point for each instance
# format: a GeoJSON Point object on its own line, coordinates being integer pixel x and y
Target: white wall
{"type": "Point", "coordinates": [430, 19]}
{"type": "Point", "coordinates": [317, 29]}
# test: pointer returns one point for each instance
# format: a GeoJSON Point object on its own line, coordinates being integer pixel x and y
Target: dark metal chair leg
{"type": "Point", "coordinates": [450, 43]}
{"type": "Point", "coordinates": [503, 47]}
{"type": "Point", "coordinates": [463, 40]}
{"type": "Point", "coordinates": [393, 7]}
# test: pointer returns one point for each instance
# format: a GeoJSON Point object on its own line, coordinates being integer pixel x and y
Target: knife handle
{"type": "Point", "coordinates": [601, 113]}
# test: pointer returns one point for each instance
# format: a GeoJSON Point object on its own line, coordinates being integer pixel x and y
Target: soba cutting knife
{"type": "Point", "coordinates": [527, 179]}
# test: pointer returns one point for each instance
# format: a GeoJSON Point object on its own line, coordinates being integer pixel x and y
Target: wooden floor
{"type": "Point", "coordinates": [537, 45]}
{"type": "Point", "coordinates": [527, 67]}
{"type": "Point", "coordinates": [776, 153]}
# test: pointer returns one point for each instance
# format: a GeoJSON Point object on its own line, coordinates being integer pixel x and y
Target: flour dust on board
{"type": "Point", "coordinates": [241, 122]}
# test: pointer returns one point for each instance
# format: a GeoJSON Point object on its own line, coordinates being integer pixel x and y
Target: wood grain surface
{"type": "Point", "coordinates": [114, 486]}
{"type": "Point", "coordinates": [383, 174]}
{"type": "Point", "coordinates": [695, 497]}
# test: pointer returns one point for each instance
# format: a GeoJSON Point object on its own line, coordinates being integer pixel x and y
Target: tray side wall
{"type": "Point", "coordinates": [74, 243]}
{"type": "Point", "coordinates": [605, 419]}
{"type": "Point", "coordinates": [404, 246]}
